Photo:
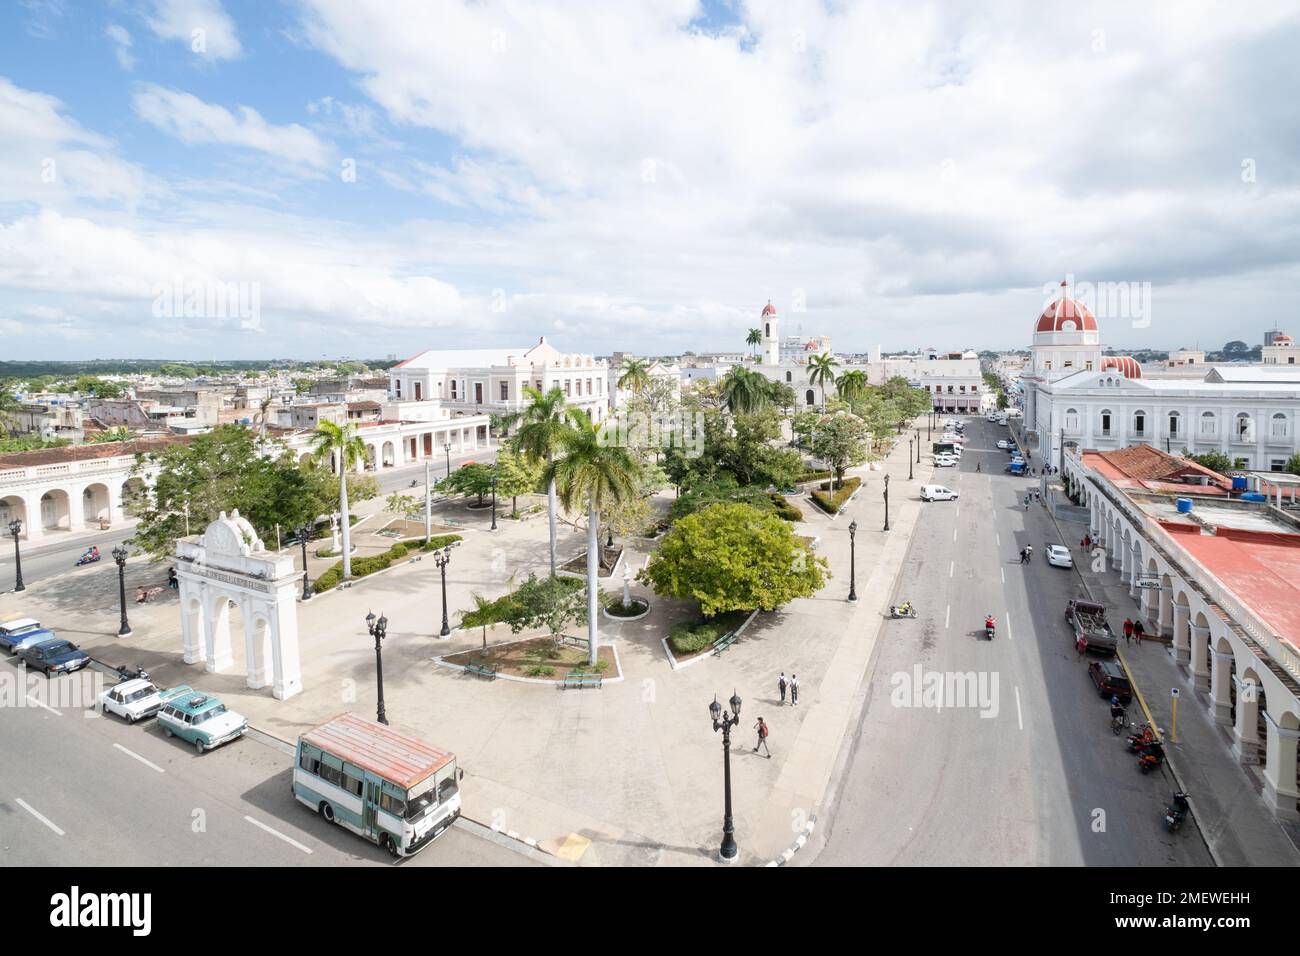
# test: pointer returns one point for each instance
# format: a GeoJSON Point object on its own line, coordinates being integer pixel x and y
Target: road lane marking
{"type": "Point", "coordinates": [954, 534]}
{"type": "Point", "coordinates": [277, 833]}
{"type": "Point", "coordinates": [1020, 718]}
{"type": "Point", "coordinates": [1008, 627]}
{"type": "Point", "coordinates": [33, 700]}
{"type": "Point", "coordinates": [1003, 572]}
{"type": "Point", "coordinates": [951, 566]}
{"type": "Point", "coordinates": [998, 538]}
{"type": "Point", "coordinates": [24, 804]}
{"type": "Point", "coordinates": [947, 611]}
{"type": "Point", "coordinates": [147, 763]}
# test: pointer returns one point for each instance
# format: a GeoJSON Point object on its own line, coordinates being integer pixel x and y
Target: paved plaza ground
{"type": "Point", "coordinates": [627, 774]}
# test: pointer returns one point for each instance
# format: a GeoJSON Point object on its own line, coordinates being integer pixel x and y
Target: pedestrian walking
{"type": "Point", "coordinates": [781, 685]}
{"type": "Point", "coordinates": [761, 728]}
{"type": "Point", "coordinates": [794, 691]}
{"type": "Point", "coordinates": [1081, 645]}
{"type": "Point", "coordinates": [1026, 502]}
{"type": "Point", "coordinates": [1138, 630]}
{"type": "Point", "coordinates": [1128, 630]}
{"type": "Point", "coordinates": [977, 466]}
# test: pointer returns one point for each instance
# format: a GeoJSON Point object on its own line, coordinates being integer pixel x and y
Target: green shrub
{"type": "Point", "coordinates": [540, 670]}
{"type": "Point", "coordinates": [378, 562]}
{"type": "Point", "coordinates": [784, 509]}
{"type": "Point", "coordinates": [687, 638]}
{"type": "Point", "coordinates": [832, 501]}
{"type": "Point", "coordinates": [814, 476]}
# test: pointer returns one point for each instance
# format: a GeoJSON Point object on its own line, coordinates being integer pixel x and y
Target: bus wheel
{"type": "Point", "coordinates": [326, 812]}
{"type": "Point", "coordinates": [391, 846]}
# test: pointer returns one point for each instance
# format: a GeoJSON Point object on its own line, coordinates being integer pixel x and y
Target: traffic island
{"type": "Point", "coordinates": [539, 660]}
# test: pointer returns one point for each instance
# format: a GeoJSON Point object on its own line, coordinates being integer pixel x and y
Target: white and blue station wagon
{"type": "Point", "coordinates": [199, 719]}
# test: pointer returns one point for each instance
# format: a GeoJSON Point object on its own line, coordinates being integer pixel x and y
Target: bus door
{"type": "Point", "coordinates": [370, 806]}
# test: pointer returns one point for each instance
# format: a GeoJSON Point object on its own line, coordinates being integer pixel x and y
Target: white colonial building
{"type": "Point", "coordinates": [1076, 396]}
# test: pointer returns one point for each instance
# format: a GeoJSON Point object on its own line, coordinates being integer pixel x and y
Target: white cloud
{"type": "Point", "coordinates": [121, 46]}
{"type": "Point", "coordinates": [195, 122]}
{"type": "Point", "coordinates": [202, 25]}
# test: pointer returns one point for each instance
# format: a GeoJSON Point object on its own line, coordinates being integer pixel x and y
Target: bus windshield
{"type": "Point", "coordinates": [421, 797]}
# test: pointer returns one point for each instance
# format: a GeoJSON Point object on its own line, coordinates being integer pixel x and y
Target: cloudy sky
{"type": "Point", "coordinates": [247, 178]}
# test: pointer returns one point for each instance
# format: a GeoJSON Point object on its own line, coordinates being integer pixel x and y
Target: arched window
{"type": "Point", "coordinates": [810, 398]}
{"type": "Point", "coordinates": [1243, 428]}
{"type": "Point", "coordinates": [1105, 421]}
{"type": "Point", "coordinates": [767, 330]}
{"type": "Point", "coordinates": [1139, 423]}
{"type": "Point", "coordinates": [788, 377]}
{"type": "Point", "coordinates": [1173, 424]}
{"type": "Point", "coordinates": [1071, 420]}
{"type": "Point", "coordinates": [1209, 425]}
{"type": "Point", "coordinates": [1279, 428]}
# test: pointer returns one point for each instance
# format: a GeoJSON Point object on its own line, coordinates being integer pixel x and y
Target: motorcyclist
{"type": "Point", "coordinates": [905, 607]}
{"type": "Point", "coordinates": [1029, 552]}
{"type": "Point", "coordinates": [989, 622]}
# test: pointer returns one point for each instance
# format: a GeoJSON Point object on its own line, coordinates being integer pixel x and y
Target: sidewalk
{"type": "Point", "coordinates": [1224, 795]}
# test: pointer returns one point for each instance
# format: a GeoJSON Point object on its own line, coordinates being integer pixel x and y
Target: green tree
{"type": "Point", "coordinates": [1292, 466]}
{"type": "Point", "coordinates": [400, 504]}
{"type": "Point", "coordinates": [744, 390]}
{"type": "Point", "coordinates": [732, 557]}
{"type": "Point", "coordinates": [98, 387]}
{"type": "Point", "coordinates": [852, 384]}
{"type": "Point", "coordinates": [540, 437]}
{"type": "Point", "coordinates": [551, 602]}
{"type": "Point", "coordinates": [600, 476]}
{"type": "Point", "coordinates": [821, 372]}
{"type": "Point", "coordinates": [842, 441]}
{"type": "Point", "coordinates": [474, 478]}
{"type": "Point", "coordinates": [517, 475]}
{"type": "Point", "coordinates": [634, 375]}
{"type": "Point", "coordinates": [1214, 460]}
{"type": "Point", "coordinates": [781, 395]}
{"type": "Point", "coordinates": [111, 435]}
{"type": "Point", "coordinates": [9, 408]}
{"type": "Point", "coordinates": [754, 339]}
{"type": "Point", "coordinates": [341, 443]}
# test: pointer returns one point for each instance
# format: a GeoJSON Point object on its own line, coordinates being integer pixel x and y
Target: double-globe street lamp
{"type": "Point", "coordinates": [853, 561]}
{"type": "Point", "coordinates": [918, 446]}
{"type": "Point", "coordinates": [378, 630]}
{"type": "Point", "coordinates": [494, 503]}
{"type": "Point", "coordinates": [886, 502]}
{"type": "Point", "coordinates": [303, 534]}
{"type": "Point", "coordinates": [15, 529]}
{"type": "Point", "coordinates": [120, 554]}
{"type": "Point", "coordinates": [724, 721]}
{"type": "Point", "coordinates": [447, 448]}
{"type": "Point", "coordinates": [442, 559]}
{"type": "Point", "coordinates": [909, 459]}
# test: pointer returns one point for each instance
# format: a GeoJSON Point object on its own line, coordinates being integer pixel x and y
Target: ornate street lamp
{"type": "Point", "coordinates": [886, 502]}
{"type": "Point", "coordinates": [303, 534]}
{"type": "Point", "coordinates": [442, 559]}
{"type": "Point", "coordinates": [853, 561]}
{"type": "Point", "coordinates": [909, 459]}
{"type": "Point", "coordinates": [120, 554]}
{"type": "Point", "coordinates": [447, 448]}
{"type": "Point", "coordinates": [378, 630]}
{"type": "Point", "coordinates": [725, 721]}
{"type": "Point", "coordinates": [494, 503]}
{"type": "Point", "coordinates": [15, 529]}
{"type": "Point", "coordinates": [918, 446]}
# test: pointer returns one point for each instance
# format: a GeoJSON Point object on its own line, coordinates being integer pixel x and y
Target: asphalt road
{"type": "Point", "coordinates": [79, 791]}
{"type": "Point", "coordinates": [53, 556]}
{"type": "Point", "coordinates": [1040, 780]}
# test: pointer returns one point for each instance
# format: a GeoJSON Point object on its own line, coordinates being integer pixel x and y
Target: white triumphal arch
{"type": "Point", "coordinates": [229, 564]}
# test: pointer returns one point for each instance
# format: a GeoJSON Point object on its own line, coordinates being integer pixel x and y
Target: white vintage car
{"type": "Point", "coordinates": [132, 700]}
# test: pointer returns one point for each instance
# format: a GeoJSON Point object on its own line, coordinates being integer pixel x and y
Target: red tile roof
{"type": "Point", "coordinates": [1149, 468]}
{"type": "Point", "coordinates": [57, 456]}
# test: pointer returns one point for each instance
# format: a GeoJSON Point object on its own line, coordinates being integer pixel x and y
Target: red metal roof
{"type": "Point", "coordinates": [1065, 314]}
{"type": "Point", "coordinates": [397, 758]}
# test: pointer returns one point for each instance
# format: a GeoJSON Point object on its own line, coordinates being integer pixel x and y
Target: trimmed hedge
{"type": "Point", "coordinates": [814, 476]}
{"type": "Point", "coordinates": [785, 509]}
{"type": "Point", "coordinates": [377, 562]}
{"type": "Point", "coordinates": [832, 501]}
{"type": "Point", "coordinates": [691, 638]}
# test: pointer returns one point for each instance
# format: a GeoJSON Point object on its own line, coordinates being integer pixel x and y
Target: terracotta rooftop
{"type": "Point", "coordinates": [1148, 467]}
{"type": "Point", "coordinates": [58, 456]}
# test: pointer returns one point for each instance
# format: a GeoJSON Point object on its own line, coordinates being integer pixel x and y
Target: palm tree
{"type": "Point", "coordinates": [260, 418]}
{"type": "Point", "coordinates": [753, 339]}
{"type": "Point", "coordinates": [542, 434]}
{"type": "Point", "coordinates": [482, 606]}
{"type": "Point", "coordinates": [602, 475]}
{"type": "Point", "coordinates": [331, 439]}
{"type": "Point", "coordinates": [636, 374]}
{"type": "Point", "coordinates": [852, 384]}
{"type": "Point", "coordinates": [744, 390]}
{"type": "Point", "coordinates": [821, 372]}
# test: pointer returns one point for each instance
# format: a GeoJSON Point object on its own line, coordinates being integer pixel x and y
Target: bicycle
{"type": "Point", "coordinates": [1118, 723]}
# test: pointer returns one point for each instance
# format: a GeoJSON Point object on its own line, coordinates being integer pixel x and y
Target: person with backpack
{"type": "Point", "coordinates": [794, 691]}
{"type": "Point", "coordinates": [1138, 630]}
{"type": "Point", "coordinates": [761, 727]}
{"type": "Point", "coordinates": [781, 685]}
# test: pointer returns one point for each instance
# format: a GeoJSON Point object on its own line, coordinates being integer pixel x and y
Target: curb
{"type": "Point", "coordinates": [675, 664]}
{"type": "Point", "coordinates": [799, 843]}
{"type": "Point", "coordinates": [438, 661]}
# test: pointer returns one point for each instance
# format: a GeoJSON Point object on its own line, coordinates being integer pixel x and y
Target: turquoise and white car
{"type": "Point", "coordinates": [199, 719]}
{"type": "Point", "coordinates": [22, 632]}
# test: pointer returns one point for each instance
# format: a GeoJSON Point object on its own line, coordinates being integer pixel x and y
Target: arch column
{"type": "Point", "coordinates": [1165, 608]}
{"type": "Point", "coordinates": [1181, 648]}
{"type": "Point", "coordinates": [1200, 658]}
{"type": "Point", "coordinates": [1280, 770]}
{"type": "Point", "coordinates": [1245, 731]}
{"type": "Point", "coordinates": [257, 648]}
{"type": "Point", "coordinates": [1220, 671]}
{"type": "Point", "coordinates": [216, 626]}
{"type": "Point", "coordinates": [1134, 562]}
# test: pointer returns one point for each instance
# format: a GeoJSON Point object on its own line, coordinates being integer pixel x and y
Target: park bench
{"type": "Point", "coordinates": [582, 680]}
{"type": "Point", "coordinates": [488, 671]}
{"type": "Point", "coordinates": [581, 642]}
{"type": "Point", "coordinates": [725, 641]}
{"type": "Point", "coordinates": [389, 533]}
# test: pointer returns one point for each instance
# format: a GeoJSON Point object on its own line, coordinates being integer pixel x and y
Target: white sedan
{"type": "Point", "coordinates": [1003, 444]}
{"type": "Point", "coordinates": [1058, 555]}
{"type": "Point", "coordinates": [945, 461]}
{"type": "Point", "coordinates": [132, 700]}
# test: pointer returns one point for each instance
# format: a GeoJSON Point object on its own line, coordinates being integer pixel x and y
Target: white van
{"type": "Point", "coordinates": [937, 493]}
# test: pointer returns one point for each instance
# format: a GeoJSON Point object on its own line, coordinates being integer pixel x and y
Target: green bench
{"type": "Point", "coordinates": [582, 680]}
{"type": "Point", "coordinates": [488, 671]}
{"type": "Point", "coordinates": [725, 641]}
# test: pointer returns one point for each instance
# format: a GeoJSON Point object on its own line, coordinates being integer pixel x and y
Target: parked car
{"type": "Point", "coordinates": [1058, 555]}
{"type": "Point", "coordinates": [1110, 680]}
{"type": "Point", "coordinates": [945, 461]}
{"type": "Point", "coordinates": [23, 630]}
{"type": "Point", "coordinates": [200, 719]}
{"type": "Point", "coordinates": [937, 493]}
{"type": "Point", "coordinates": [133, 699]}
{"type": "Point", "coordinates": [1003, 444]}
{"type": "Point", "coordinates": [55, 656]}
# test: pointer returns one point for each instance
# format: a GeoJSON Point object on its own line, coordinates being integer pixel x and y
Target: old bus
{"type": "Point", "coordinates": [391, 789]}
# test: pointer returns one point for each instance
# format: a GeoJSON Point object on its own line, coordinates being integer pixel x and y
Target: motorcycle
{"type": "Point", "coordinates": [1150, 757]}
{"type": "Point", "coordinates": [88, 559]}
{"type": "Point", "coordinates": [125, 673]}
{"type": "Point", "coordinates": [989, 628]}
{"type": "Point", "coordinates": [414, 482]}
{"type": "Point", "coordinates": [1176, 812]}
{"type": "Point", "coordinates": [902, 610]}
{"type": "Point", "coordinates": [1141, 739]}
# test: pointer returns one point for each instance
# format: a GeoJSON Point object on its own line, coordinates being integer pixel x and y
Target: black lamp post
{"type": "Point", "coordinates": [918, 446]}
{"type": "Point", "coordinates": [120, 555]}
{"type": "Point", "coordinates": [725, 721]}
{"type": "Point", "coordinates": [303, 534]}
{"type": "Point", "coordinates": [447, 448]}
{"type": "Point", "coordinates": [853, 561]}
{"type": "Point", "coordinates": [15, 529]}
{"type": "Point", "coordinates": [442, 559]}
{"type": "Point", "coordinates": [378, 629]}
{"type": "Point", "coordinates": [494, 503]}
{"type": "Point", "coordinates": [886, 502]}
{"type": "Point", "coordinates": [909, 459]}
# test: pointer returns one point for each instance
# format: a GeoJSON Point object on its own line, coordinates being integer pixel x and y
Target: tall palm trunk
{"type": "Point", "coordinates": [550, 508]}
{"type": "Point", "coordinates": [347, 525]}
{"type": "Point", "coordinates": [593, 563]}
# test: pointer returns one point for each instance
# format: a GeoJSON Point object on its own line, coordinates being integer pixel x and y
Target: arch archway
{"type": "Point", "coordinates": [1223, 669]}
{"type": "Point", "coordinates": [11, 507]}
{"type": "Point", "coordinates": [810, 397]}
{"type": "Point", "coordinates": [389, 455]}
{"type": "Point", "coordinates": [56, 511]}
{"type": "Point", "coordinates": [96, 505]}
{"type": "Point", "coordinates": [134, 495]}
{"type": "Point", "coordinates": [1248, 698]}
